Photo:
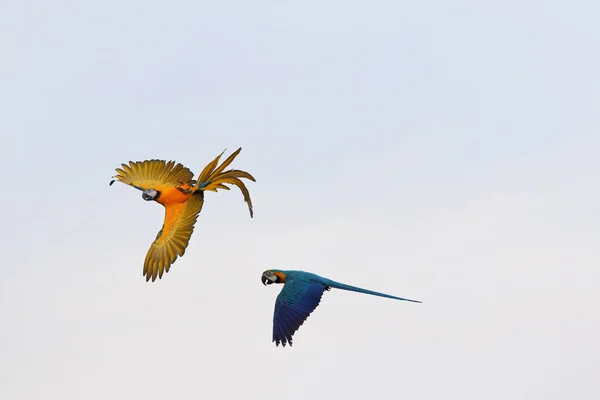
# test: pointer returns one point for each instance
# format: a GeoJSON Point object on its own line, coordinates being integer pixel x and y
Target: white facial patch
{"type": "Point", "coordinates": [270, 276]}
{"type": "Point", "coordinates": [149, 194]}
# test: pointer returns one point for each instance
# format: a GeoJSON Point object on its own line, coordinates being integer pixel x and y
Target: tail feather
{"type": "Point", "coordinates": [343, 286]}
{"type": "Point", "coordinates": [213, 178]}
{"type": "Point", "coordinates": [216, 186]}
{"type": "Point", "coordinates": [209, 168]}
{"type": "Point", "coordinates": [235, 173]}
{"type": "Point", "coordinates": [227, 162]}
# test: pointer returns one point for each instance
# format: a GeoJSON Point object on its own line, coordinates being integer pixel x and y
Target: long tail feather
{"type": "Point", "coordinates": [227, 161]}
{"type": "Point", "coordinates": [213, 178]}
{"type": "Point", "coordinates": [343, 286]}
{"type": "Point", "coordinates": [209, 168]}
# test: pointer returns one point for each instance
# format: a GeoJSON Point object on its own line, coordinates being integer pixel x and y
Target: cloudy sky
{"type": "Point", "coordinates": [445, 151]}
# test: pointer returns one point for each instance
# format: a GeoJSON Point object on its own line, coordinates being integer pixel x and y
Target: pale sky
{"type": "Point", "coordinates": [446, 151]}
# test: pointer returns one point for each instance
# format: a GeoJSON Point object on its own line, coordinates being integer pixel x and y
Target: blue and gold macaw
{"type": "Point", "coordinates": [300, 295]}
{"type": "Point", "coordinates": [172, 186]}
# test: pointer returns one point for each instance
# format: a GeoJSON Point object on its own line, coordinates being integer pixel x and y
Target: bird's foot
{"type": "Point", "coordinates": [183, 188]}
{"type": "Point", "coordinates": [328, 288]}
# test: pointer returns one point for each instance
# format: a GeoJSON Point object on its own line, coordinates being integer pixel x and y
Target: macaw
{"type": "Point", "coordinates": [300, 295]}
{"type": "Point", "coordinates": [172, 186]}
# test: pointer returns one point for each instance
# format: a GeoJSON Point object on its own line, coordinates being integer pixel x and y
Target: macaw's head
{"type": "Point", "coordinates": [150, 194]}
{"type": "Point", "coordinates": [271, 276]}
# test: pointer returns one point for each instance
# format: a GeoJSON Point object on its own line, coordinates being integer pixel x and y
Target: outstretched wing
{"type": "Point", "coordinates": [297, 300]}
{"type": "Point", "coordinates": [174, 236]}
{"type": "Point", "coordinates": [153, 174]}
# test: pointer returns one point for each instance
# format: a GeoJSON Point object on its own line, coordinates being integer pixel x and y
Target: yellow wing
{"type": "Point", "coordinates": [174, 236]}
{"type": "Point", "coordinates": [153, 173]}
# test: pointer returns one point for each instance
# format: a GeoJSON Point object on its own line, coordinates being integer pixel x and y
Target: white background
{"type": "Point", "coordinates": [445, 151]}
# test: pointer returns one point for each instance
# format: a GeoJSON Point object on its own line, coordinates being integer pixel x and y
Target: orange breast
{"type": "Point", "coordinates": [171, 196]}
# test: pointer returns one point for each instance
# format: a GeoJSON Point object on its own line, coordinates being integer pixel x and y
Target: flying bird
{"type": "Point", "coordinates": [172, 186]}
{"type": "Point", "coordinates": [300, 295]}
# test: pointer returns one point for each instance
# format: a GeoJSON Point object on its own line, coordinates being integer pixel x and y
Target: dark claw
{"type": "Point", "coordinates": [184, 191]}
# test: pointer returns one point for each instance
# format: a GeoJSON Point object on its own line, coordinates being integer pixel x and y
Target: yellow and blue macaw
{"type": "Point", "coordinates": [172, 186]}
{"type": "Point", "coordinates": [300, 295]}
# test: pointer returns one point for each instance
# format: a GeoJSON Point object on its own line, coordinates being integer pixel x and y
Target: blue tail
{"type": "Point", "coordinates": [342, 286]}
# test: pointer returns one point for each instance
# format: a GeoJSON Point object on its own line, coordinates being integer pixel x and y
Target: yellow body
{"type": "Point", "coordinates": [182, 198]}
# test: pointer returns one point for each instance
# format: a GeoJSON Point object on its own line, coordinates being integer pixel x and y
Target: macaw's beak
{"type": "Point", "coordinates": [266, 281]}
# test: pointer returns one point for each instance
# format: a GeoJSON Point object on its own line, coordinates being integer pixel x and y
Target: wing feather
{"type": "Point", "coordinates": [152, 173]}
{"type": "Point", "coordinates": [297, 300]}
{"type": "Point", "coordinates": [174, 236]}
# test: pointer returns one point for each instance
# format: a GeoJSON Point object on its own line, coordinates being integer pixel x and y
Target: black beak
{"type": "Point", "coordinates": [265, 281]}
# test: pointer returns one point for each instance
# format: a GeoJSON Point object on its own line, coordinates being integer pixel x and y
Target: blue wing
{"type": "Point", "coordinates": [297, 300]}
